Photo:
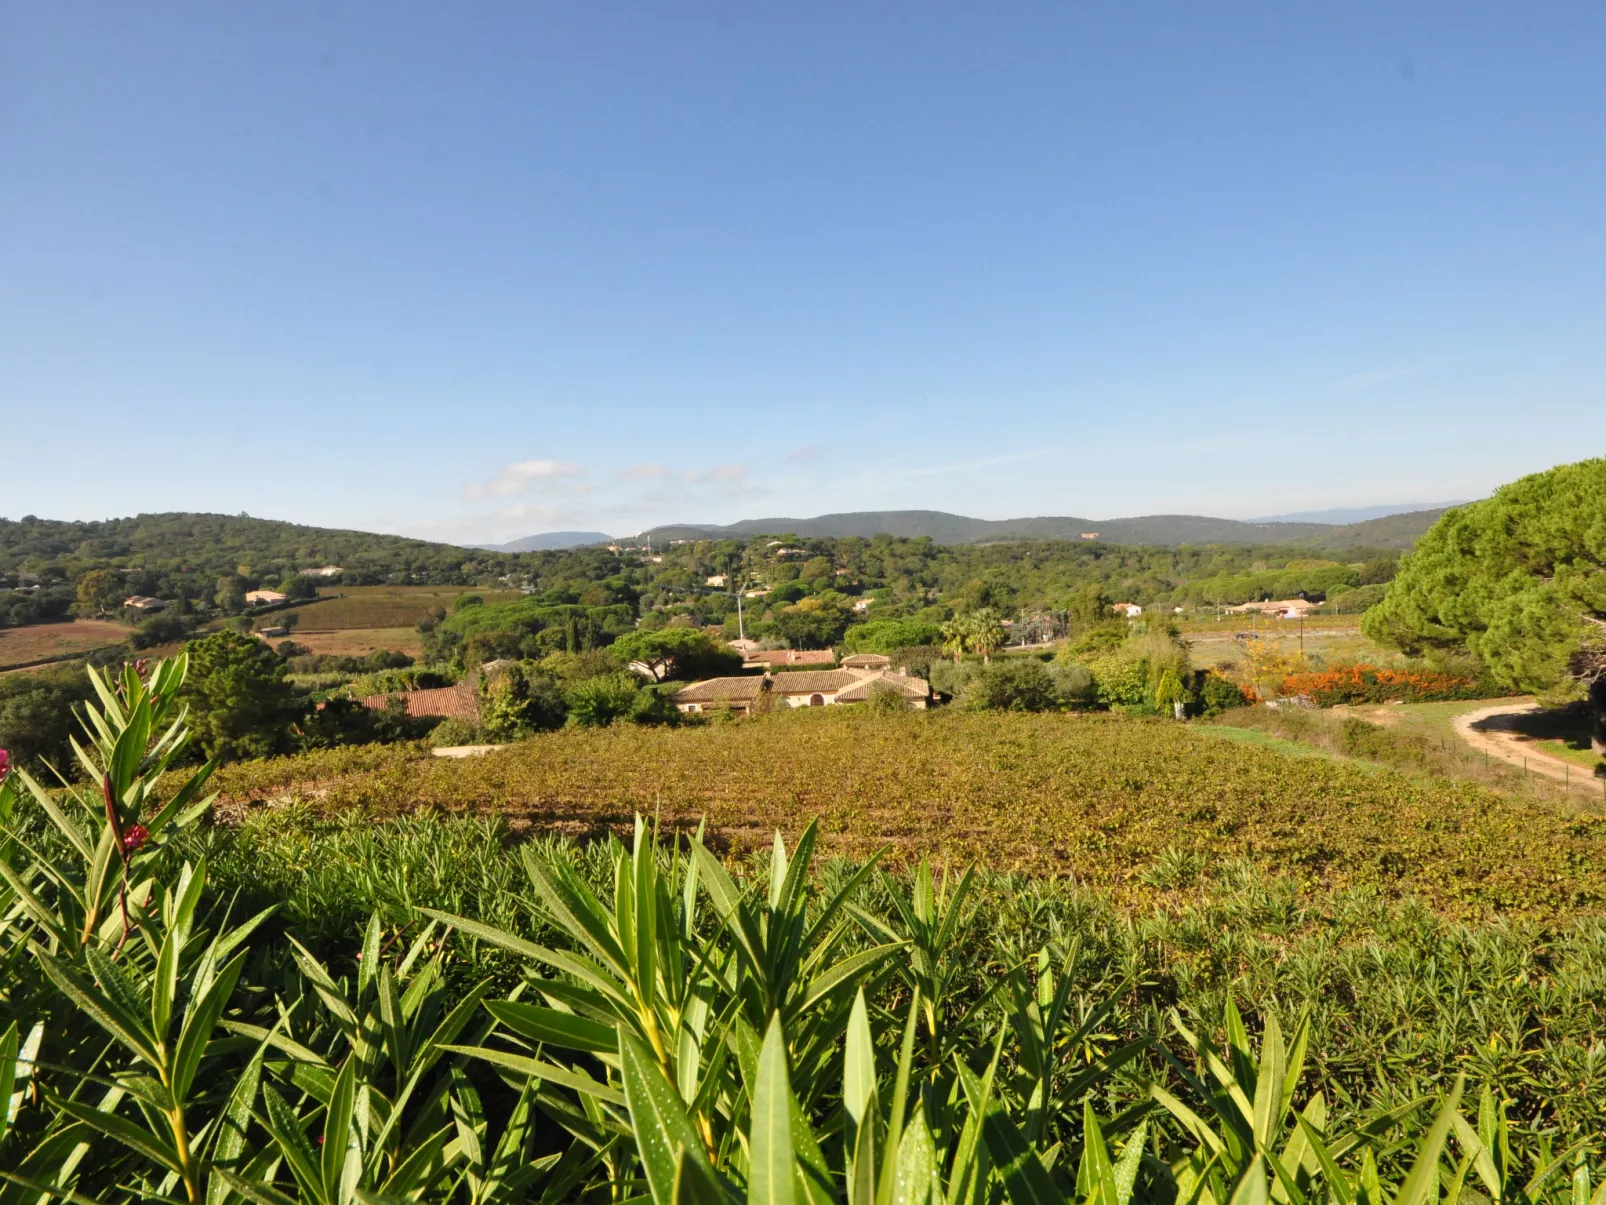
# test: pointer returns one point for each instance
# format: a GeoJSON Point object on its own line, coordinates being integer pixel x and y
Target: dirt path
{"type": "Point", "coordinates": [1492, 730]}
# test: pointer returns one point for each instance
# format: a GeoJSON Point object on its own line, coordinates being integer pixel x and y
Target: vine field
{"type": "Point", "coordinates": [1098, 799]}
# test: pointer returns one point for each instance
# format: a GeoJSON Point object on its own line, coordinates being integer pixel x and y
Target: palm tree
{"type": "Point", "coordinates": [986, 631]}
{"type": "Point", "coordinates": [955, 636]}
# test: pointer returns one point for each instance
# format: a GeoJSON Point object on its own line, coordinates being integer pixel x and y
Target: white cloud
{"type": "Point", "coordinates": [523, 475]}
{"type": "Point", "coordinates": [646, 471]}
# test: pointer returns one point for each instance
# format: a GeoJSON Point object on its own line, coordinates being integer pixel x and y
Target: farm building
{"type": "Point", "coordinates": [738, 694]}
{"type": "Point", "coordinates": [258, 598]}
{"type": "Point", "coordinates": [807, 688]}
{"type": "Point", "coordinates": [143, 602]}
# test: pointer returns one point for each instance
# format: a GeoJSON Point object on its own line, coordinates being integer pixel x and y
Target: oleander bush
{"type": "Point", "coordinates": [303, 1009]}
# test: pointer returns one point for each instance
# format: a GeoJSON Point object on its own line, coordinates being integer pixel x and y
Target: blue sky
{"type": "Point", "coordinates": [476, 271]}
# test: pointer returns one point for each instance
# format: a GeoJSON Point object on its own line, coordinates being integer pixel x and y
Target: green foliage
{"type": "Point", "coordinates": [598, 702]}
{"type": "Point", "coordinates": [678, 653]}
{"type": "Point", "coordinates": [524, 628]}
{"type": "Point", "coordinates": [887, 636]}
{"type": "Point", "coordinates": [1012, 684]}
{"type": "Point", "coordinates": [240, 704]}
{"type": "Point", "coordinates": [814, 623]}
{"type": "Point", "coordinates": [159, 629]}
{"type": "Point", "coordinates": [35, 606]}
{"type": "Point", "coordinates": [1518, 579]}
{"type": "Point", "coordinates": [517, 700]}
{"type": "Point", "coordinates": [1218, 694]}
{"type": "Point", "coordinates": [36, 715]}
{"type": "Point", "coordinates": [804, 1033]}
{"type": "Point", "coordinates": [1358, 601]}
{"type": "Point", "coordinates": [99, 591]}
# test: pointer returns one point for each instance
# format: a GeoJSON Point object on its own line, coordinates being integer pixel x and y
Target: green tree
{"type": "Point", "coordinates": [813, 623]}
{"type": "Point", "coordinates": [519, 700]}
{"type": "Point", "coordinates": [985, 632]}
{"type": "Point", "coordinates": [1014, 684]}
{"type": "Point", "coordinates": [240, 704]}
{"type": "Point", "coordinates": [956, 637]}
{"type": "Point", "coordinates": [1519, 581]}
{"type": "Point", "coordinates": [36, 715]}
{"type": "Point", "coordinates": [675, 653]}
{"type": "Point", "coordinates": [299, 587]}
{"type": "Point", "coordinates": [598, 702]}
{"type": "Point", "coordinates": [99, 591]}
{"type": "Point", "coordinates": [887, 635]}
{"type": "Point", "coordinates": [230, 594]}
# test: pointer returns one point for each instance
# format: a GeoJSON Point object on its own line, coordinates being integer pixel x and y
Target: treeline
{"type": "Point", "coordinates": [210, 561]}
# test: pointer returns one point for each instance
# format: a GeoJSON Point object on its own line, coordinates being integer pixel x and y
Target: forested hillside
{"type": "Point", "coordinates": [199, 545]}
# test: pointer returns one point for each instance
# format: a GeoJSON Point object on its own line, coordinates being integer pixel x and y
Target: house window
{"type": "Point", "coordinates": [816, 700]}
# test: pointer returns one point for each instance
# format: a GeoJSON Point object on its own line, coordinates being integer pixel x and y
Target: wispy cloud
{"type": "Point", "coordinates": [524, 475]}
{"type": "Point", "coordinates": [1363, 381]}
{"type": "Point", "coordinates": [986, 462]}
{"type": "Point", "coordinates": [806, 454]}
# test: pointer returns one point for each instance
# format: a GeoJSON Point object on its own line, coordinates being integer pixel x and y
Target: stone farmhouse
{"type": "Point", "coordinates": [861, 675]}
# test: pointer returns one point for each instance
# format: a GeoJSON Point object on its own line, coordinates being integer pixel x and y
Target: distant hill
{"type": "Point", "coordinates": [209, 545]}
{"type": "Point", "coordinates": [549, 541]}
{"type": "Point", "coordinates": [1393, 531]}
{"type": "Point", "coordinates": [1357, 514]}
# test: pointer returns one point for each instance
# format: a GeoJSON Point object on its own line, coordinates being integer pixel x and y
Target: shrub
{"type": "Point", "coordinates": [1012, 684]}
{"type": "Point", "coordinates": [1369, 684]}
{"type": "Point", "coordinates": [1073, 684]}
{"type": "Point", "coordinates": [158, 629]}
{"type": "Point", "coordinates": [520, 700]}
{"type": "Point", "coordinates": [950, 678]}
{"type": "Point", "coordinates": [1218, 694]}
{"type": "Point", "coordinates": [598, 702]}
{"type": "Point", "coordinates": [1354, 602]}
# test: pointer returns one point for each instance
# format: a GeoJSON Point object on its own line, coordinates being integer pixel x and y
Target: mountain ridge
{"type": "Point", "coordinates": [548, 541]}
{"type": "Point", "coordinates": [1391, 531]}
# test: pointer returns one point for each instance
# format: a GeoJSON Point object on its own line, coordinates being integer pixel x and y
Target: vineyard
{"type": "Point", "coordinates": [1094, 797]}
{"type": "Point", "coordinates": [296, 1007]}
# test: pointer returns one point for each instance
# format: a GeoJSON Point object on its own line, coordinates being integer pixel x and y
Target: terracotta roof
{"type": "Point", "coordinates": [743, 689]}
{"type": "Point", "coordinates": [808, 682]}
{"type": "Point", "coordinates": [459, 702]}
{"type": "Point", "coordinates": [905, 684]}
{"type": "Point", "coordinates": [793, 656]}
{"type": "Point", "coordinates": [866, 661]}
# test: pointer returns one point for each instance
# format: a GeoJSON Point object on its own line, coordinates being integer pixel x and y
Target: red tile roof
{"type": "Point", "coordinates": [460, 702]}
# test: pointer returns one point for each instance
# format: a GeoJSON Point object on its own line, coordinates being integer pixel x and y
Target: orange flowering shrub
{"type": "Point", "coordinates": [1369, 684]}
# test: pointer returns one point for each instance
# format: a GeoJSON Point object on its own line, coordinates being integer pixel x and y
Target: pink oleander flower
{"type": "Point", "coordinates": [5, 764]}
{"type": "Point", "coordinates": [134, 836]}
